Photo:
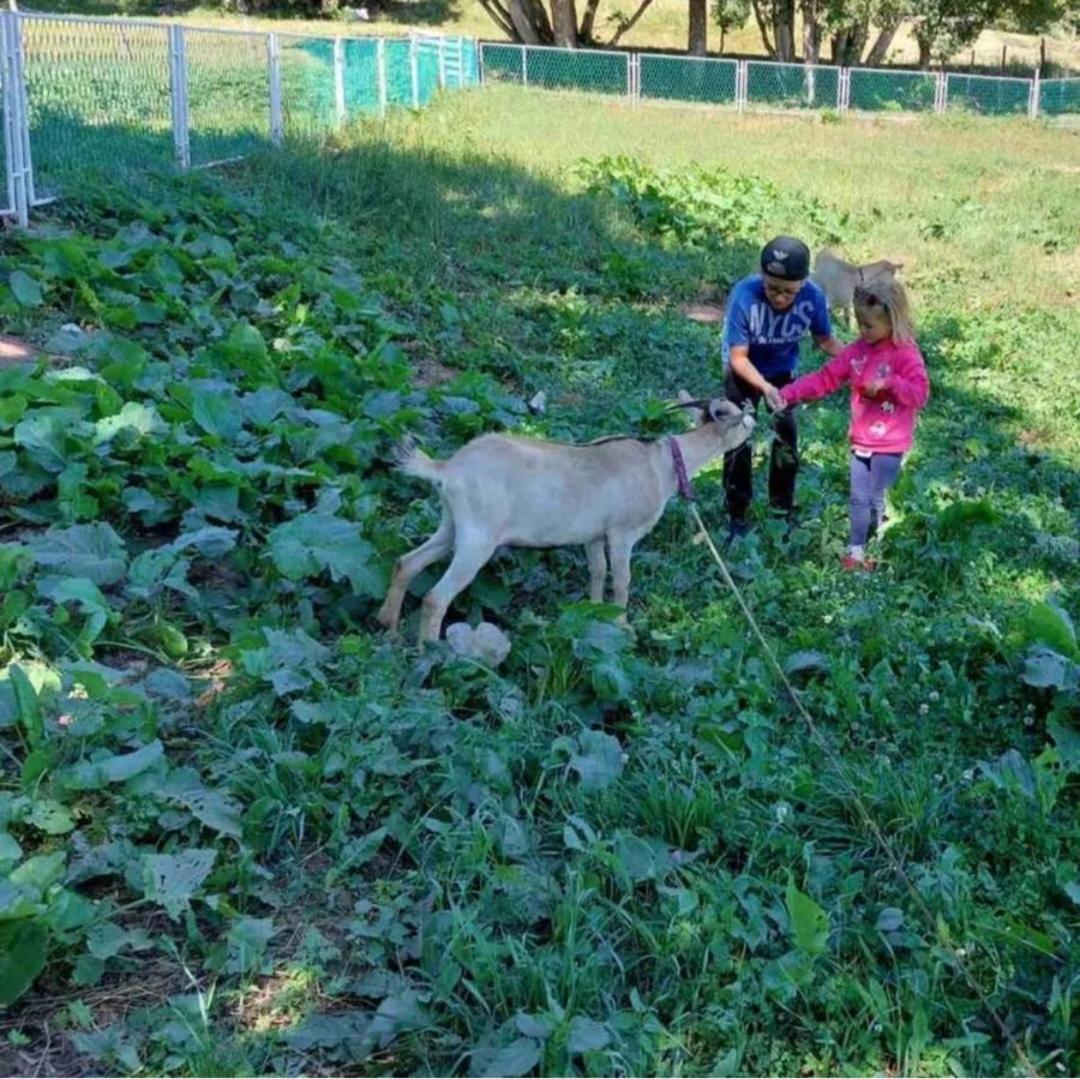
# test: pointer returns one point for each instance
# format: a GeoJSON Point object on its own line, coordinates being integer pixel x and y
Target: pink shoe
{"type": "Point", "coordinates": [851, 564]}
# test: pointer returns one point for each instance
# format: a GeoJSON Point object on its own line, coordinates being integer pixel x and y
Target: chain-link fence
{"type": "Point", "coordinates": [586, 70]}
{"type": "Point", "coordinates": [673, 78]}
{"type": "Point", "coordinates": [96, 94]}
{"type": "Point", "coordinates": [767, 85]}
{"type": "Point", "coordinates": [872, 90]}
{"type": "Point", "coordinates": [989, 94]}
{"type": "Point", "coordinates": [228, 90]}
{"type": "Point", "coordinates": [82, 95]}
{"type": "Point", "coordinates": [792, 86]}
{"type": "Point", "coordinates": [1059, 96]}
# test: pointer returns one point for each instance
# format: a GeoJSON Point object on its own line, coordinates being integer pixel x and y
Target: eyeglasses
{"type": "Point", "coordinates": [776, 290]}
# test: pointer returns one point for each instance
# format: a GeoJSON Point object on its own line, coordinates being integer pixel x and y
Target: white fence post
{"type": "Point", "coordinates": [524, 66]}
{"type": "Point", "coordinates": [414, 72]}
{"type": "Point", "coordinates": [460, 61]}
{"type": "Point", "coordinates": [20, 171]}
{"type": "Point", "coordinates": [630, 77]}
{"type": "Point", "coordinates": [380, 67]}
{"type": "Point", "coordinates": [742, 82]}
{"type": "Point", "coordinates": [1033, 97]}
{"type": "Point", "coordinates": [943, 92]}
{"type": "Point", "coordinates": [277, 118]}
{"type": "Point", "coordinates": [480, 62]}
{"type": "Point", "coordinates": [12, 138]}
{"type": "Point", "coordinates": [339, 82]}
{"type": "Point", "coordinates": [442, 62]}
{"type": "Point", "coordinates": [178, 95]}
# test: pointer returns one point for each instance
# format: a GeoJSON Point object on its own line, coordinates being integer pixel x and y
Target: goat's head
{"type": "Point", "coordinates": [730, 424]}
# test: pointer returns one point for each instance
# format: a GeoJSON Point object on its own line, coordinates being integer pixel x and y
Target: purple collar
{"type": "Point", "coordinates": [683, 480]}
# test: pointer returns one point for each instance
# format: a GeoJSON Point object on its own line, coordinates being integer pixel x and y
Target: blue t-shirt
{"type": "Point", "coordinates": [773, 336]}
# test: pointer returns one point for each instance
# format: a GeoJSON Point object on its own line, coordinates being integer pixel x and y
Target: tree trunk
{"type": "Point", "coordinates": [878, 51]}
{"type": "Point", "coordinates": [698, 37]}
{"type": "Point", "coordinates": [627, 26]}
{"type": "Point", "coordinates": [770, 49]}
{"type": "Point", "coordinates": [784, 29]}
{"type": "Point", "coordinates": [723, 34]}
{"type": "Point", "coordinates": [500, 16]}
{"type": "Point", "coordinates": [811, 33]}
{"type": "Point", "coordinates": [924, 53]}
{"type": "Point", "coordinates": [564, 18]}
{"type": "Point", "coordinates": [530, 22]}
{"type": "Point", "coordinates": [586, 34]}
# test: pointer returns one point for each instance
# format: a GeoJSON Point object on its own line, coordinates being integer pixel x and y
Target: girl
{"type": "Point", "coordinates": [888, 387]}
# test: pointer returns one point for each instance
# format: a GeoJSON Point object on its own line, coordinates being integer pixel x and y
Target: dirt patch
{"type": "Point", "coordinates": [708, 313]}
{"type": "Point", "coordinates": [13, 350]}
{"type": "Point", "coordinates": [429, 372]}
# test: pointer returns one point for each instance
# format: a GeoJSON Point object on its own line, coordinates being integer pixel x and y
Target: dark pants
{"type": "Point", "coordinates": [783, 459]}
{"type": "Point", "coordinates": [871, 477]}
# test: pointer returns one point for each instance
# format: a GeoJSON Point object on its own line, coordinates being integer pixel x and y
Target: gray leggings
{"type": "Point", "coordinates": [871, 477]}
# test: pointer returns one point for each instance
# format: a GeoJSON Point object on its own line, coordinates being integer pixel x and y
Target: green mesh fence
{"type": "Point", "coordinates": [427, 71]}
{"type": "Point", "coordinates": [471, 62]}
{"type": "Point", "coordinates": [97, 96]}
{"type": "Point", "coordinates": [676, 78]}
{"type": "Point", "coordinates": [308, 101]}
{"type": "Point", "coordinates": [504, 63]}
{"type": "Point", "coordinates": [988, 95]}
{"type": "Point", "coordinates": [361, 77]}
{"type": "Point", "coordinates": [791, 86]}
{"type": "Point", "coordinates": [1059, 96]}
{"type": "Point", "coordinates": [399, 73]}
{"type": "Point", "coordinates": [891, 91]}
{"type": "Point", "coordinates": [228, 82]}
{"type": "Point", "coordinates": [577, 69]}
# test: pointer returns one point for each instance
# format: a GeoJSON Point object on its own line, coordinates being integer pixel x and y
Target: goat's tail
{"type": "Point", "coordinates": [412, 461]}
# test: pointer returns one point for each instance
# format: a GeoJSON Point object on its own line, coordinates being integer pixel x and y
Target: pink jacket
{"type": "Point", "coordinates": [882, 424]}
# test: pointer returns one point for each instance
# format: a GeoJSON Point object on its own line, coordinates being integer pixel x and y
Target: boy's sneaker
{"type": "Point", "coordinates": [737, 528]}
{"type": "Point", "coordinates": [850, 563]}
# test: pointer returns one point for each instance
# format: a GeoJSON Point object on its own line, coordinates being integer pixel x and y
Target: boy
{"type": "Point", "coordinates": [768, 314]}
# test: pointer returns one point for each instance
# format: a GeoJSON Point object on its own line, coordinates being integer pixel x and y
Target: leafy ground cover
{"type": "Point", "coordinates": [242, 833]}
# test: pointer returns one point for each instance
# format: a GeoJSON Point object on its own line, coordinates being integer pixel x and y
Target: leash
{"type": "Point", "coordinates": [886, 847]}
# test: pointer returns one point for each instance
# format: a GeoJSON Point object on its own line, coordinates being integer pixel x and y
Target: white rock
{"type": "Point", "coordinates": [486, 643]}
{"type": "Point", "coordinates": [538, 402]}
{"type": "Point", "coordinates": [491, 644]}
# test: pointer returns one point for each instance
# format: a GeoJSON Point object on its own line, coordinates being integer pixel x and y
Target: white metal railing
{"type": "Point", "coordinates": [79, 90]}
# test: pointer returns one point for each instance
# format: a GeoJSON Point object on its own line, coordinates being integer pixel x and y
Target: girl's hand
{"type": "Point", "coordinates": [874, 388]}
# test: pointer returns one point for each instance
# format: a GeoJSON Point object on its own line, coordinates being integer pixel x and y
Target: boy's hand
{"type": "Point", "coordinates": [774, 399]}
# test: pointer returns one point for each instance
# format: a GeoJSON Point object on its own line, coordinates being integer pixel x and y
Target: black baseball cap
{"type": "Point", "coordinates": [786, 258]}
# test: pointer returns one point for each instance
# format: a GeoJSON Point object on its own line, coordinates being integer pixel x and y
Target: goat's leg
{"type": "Point", "coordinates": [620, 547]}
{"type": "Point", "coordinates": [471, 554]}
{"type": "Point", "coordinates": [409, 565]}
{"type": "Point", "coordinates": [597, 568]}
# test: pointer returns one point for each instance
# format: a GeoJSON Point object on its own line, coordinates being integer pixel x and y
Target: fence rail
{"type": "Point", "coordinates": [78, 91]}
{"type": "Point", "coordinates": [769, 85]}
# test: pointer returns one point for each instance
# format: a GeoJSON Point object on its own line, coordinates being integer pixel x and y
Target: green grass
{"type": "Point", "coordinates": [619, 853]}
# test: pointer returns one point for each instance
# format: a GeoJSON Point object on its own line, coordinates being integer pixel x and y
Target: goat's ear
{"type": "Point", "coordinates": [697, 417]}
